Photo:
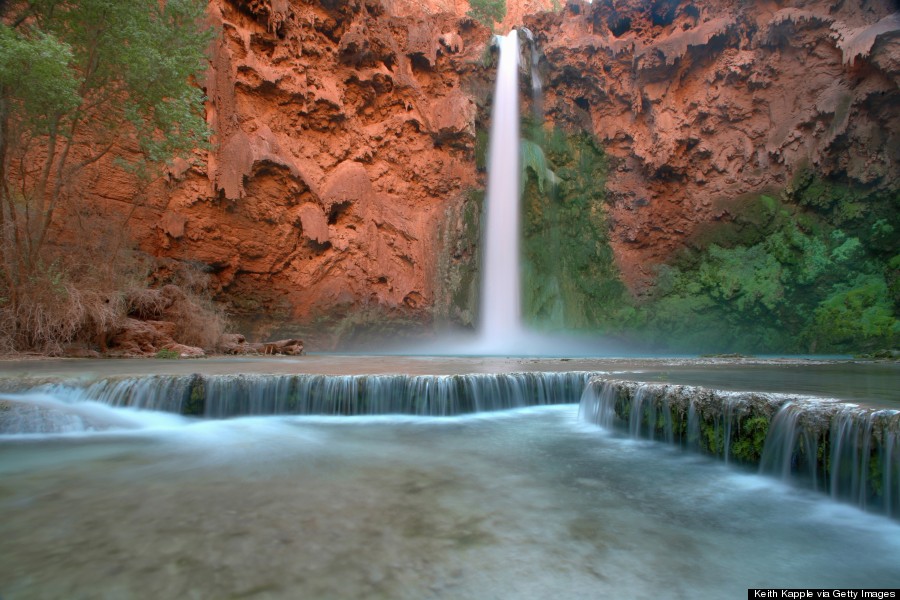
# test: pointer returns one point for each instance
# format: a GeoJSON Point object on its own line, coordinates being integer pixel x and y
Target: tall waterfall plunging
{"type": "Point", "coordinates": [500, 324]}
{"type": "Point", "coordinates": [500, 321]}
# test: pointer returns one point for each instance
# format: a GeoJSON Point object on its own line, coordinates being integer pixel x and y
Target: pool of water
{"type": "Point", "coordinates": [870, 383]}
{"type": "Point", "coordinates": [525, 504]}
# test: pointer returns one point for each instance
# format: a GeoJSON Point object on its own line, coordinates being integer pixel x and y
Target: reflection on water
{"type": "Point", "coordinates": [521, 504]}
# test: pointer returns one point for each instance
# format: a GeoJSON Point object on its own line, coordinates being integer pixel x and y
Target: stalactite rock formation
{"type": "Point", "coordinates": [342, 132]}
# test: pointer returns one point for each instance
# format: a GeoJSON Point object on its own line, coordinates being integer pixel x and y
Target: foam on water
{"type": "Point", "coordinates": [42, 413]}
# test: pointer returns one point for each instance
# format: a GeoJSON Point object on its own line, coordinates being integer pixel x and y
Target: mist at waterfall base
{"type": "Point", "coordinates": [500, 329]}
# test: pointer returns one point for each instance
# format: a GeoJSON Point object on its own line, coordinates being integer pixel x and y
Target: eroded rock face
{"type": "Point", "coordinates": [698, 104]}
{"type": "Point", "coordinates": [342, 133]}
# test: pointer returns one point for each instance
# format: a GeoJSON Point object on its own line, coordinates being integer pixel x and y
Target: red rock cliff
{"type": "Point", "coordinates": [342, 132]}
{"type": "Point", "coordinates": [698, 104]}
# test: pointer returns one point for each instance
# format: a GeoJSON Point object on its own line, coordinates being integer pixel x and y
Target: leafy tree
{"type": "Point", "coordinates": [487, 12]}
{"type": "Point", "coordinates": [81, 80]}
{"type": "Point", "coordinates": [856, 313]}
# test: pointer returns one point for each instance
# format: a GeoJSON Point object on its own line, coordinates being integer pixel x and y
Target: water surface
{"type": "Point", "coordinates": [520, 504]}
{"type": "Point", "coordinates": [870, 382]}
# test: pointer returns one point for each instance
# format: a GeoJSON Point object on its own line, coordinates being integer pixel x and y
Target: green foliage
{"type": "Point", "coordinates": [487, 12]}
{"type": "Point", "coordinates": [481, 149]}
{"type": "Point", "coordinates": [781, 278]}
{"type": "Point", "coordinates": [712, 437]}
{"type": "Point", "coordinates": [857, 313]}
{"type": "Point", "coordinates": [534, 160]}
{"type": "Point", "coordinates": [167, 353]}
{"type": "Point", "coordinates": [750, 439]}
{"type": "Point", "coordinates": [814, 269]}
{"type": "Point", "coordinates": [194, 403]}
{"type": "Point", "coordinates": [50, 87]}
{"type": "Point", "coordinates": [82, 82]}
{"type": "Point", "coordinates": [570, 278]}
{"type": "Point", "coordinates": [112, 63]}
{"type": "Point", "coordinates": [488, 56]}
{"type": "Point", "coordinates": [124, 71]}
{"type": "Point", "coordinates": [147, 54]}
{"type": "Point", "coordinates": [748, 278]}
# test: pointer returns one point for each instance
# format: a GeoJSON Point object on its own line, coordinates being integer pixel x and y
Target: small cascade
{"type": "Point", "coordinates": [791, 448]}
{"type": "Point", "coordinates": [426, 395]}
{"type": "Point", "coordinates": [693, 428]}
{"type": "Point", "coordinates": [39, 413]}
{"type": "Point", "coordinates": [46, 413]}
{"type": "Point", "coordinates": [222, 396]}
{"type": "Point", "coordinates": [161, 393]}
{"type": "Point", "coordinates": [597, 405]}
{"type": "Point", "coordinates": [847, 451]}
{"type": "Point", "coordinates": [636, 417]}
{"type": "Point", "coordinates": [537, 86]}
{"type": "Point", "coordinates": [684, 415]}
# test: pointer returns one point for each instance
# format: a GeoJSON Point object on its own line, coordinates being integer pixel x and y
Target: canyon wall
{"type": "Point", "coordinates": [699, 105]}
{"type": "Point", "coordinates": [342, 185]}
{"type": "Point", "coordinates": [343, 131]}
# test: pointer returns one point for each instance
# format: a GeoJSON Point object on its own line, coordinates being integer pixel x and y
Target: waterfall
{"type": "Point", "coordinates": [537, 86]}
{"type": "Point", "coordinates": [500, 321]}
{"type": "Point", "coordinates": [222, 396]}
{"type": "Point", "coordinates": [500, 330]}
{"type": "Point", "coordinates": [848, 451]}
{"type": "Point", "coordinates": [791, 446]}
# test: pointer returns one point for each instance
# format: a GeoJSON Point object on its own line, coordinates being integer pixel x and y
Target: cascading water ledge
{"type": "Point", "coordinates": [222, 396]}
{"type": "Point", "coordinates": [849, 451]}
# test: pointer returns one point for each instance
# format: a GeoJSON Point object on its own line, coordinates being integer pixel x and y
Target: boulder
{"type": "Point", "coordinates": [185, 351]}
{"type": "Point", "coordinates": [289, 347]}
{"type": "Point", "coordinates": [141, 338]}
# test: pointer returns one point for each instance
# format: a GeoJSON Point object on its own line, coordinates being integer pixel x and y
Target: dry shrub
{"type": "Point", "coordinates": [55, 309]}
{"type": "Point", "coordinates": [197, 322]}
{"type": "Point", "coordinates": [88, 279]}
{"type": "Point", "coordinates": [52, 310]}
{"type": "Point", "coordinates": [146, 303]}
{"type": "Point", "coordinates": [186, 296]}
{"type": "Point", "coordinates": [92, 284]}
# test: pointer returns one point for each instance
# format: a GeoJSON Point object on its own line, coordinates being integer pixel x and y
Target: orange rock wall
{"type": "Point", "coordinates": [699, 104]}
{"type": "Point", "coordinates": [342, 133]}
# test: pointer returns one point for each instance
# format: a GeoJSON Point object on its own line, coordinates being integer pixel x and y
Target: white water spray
{"type": "Point", "coordinates": [500, 322]}
{"type": "Point", "coordinates": [500, 328]}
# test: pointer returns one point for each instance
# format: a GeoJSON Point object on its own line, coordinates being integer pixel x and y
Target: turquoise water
{"type": "Point", "coordinates": [529, 503]}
